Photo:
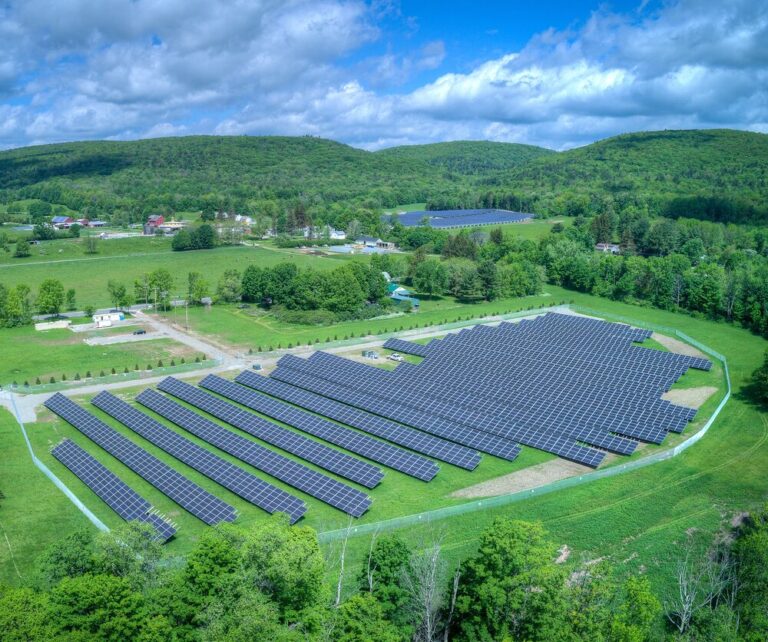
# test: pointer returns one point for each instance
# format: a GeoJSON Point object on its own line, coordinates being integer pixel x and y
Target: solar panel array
{"type": "Point", "coordinates": [320, 486]}
{"type": "Point", "coordinates": [436, 447]}
{"type": "Point", "coordinates": [579, 376]}
{"type": "Point", "coordinates": [242, 483]}
{"type": "Point", "coordinates": [445, 219]}
{"type": "Point", "coordinates": [295, 371]}
{"type": "Point", "coordinates": [168, 481]}
{"type": "Point", "coordinates": [120, 497]}
{"type": "Point", "coordinates": [379, 451]}
{"type": "Point", "coordinates": [469, 422]}
{"type": "Point", "coordinates": [356, 502]}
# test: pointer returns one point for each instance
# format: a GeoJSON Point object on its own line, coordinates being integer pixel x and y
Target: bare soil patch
{"type": "Point", "coordinates": [675, 345]}
{"type": "Point", "coordinates": [525, 479]}
{"type": "Point", "coordinates": [689, 397]}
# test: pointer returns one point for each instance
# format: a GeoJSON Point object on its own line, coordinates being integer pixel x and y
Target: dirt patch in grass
{"type": "Point", "coordinates": [525, 479]}
{"type": "Point", "coordinates": [689, 397]}
{"type": "Point", "coordinates": [675, 345]}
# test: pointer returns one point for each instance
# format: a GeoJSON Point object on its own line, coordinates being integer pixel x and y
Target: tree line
{"type": "Point", "coordinates": [271, 581]}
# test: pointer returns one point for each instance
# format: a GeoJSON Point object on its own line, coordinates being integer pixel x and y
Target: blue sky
{"type": "Point", "coordinates": [379, 73]}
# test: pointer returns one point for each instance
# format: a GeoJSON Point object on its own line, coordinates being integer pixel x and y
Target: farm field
{"type": "Point", "coordinates": [89, 274]}
{"type": "Point", "coordinates": [254, 327]}
{"type": "Point", "coordinates": [400, 495]}
{"type": "Point", "coordinates": [28, 354]}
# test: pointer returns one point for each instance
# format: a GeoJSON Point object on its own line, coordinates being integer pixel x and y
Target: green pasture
{"type": "Point", "coordinates": [256, 328]}
{"type": "Point", "coordinates": [128, 259]}
{"type": "Point", "coordinates": [28, 354]}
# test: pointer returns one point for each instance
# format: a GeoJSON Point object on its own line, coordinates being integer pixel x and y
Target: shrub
{"type": "Point", "coordinates": [102, 374]}
{"type": "Point", "coordinates": [290, 345]}
{"type": "Point", "coordinates": [258, 349]}
{"type": "Point", "coordinates": [37, 381]}
{"type": "Point", "coordinates": [77, 376]}
{"type": "Point", "coordinates": [88, 374]}
{"type": "Point", "coordinates": [52, 380]}
{"type": "Point", "coordinates": [26, 383]}
{"type": "Point", "coordinates": [149, 366]}
{"type": "Point", "coordinates": [125, 370]}
{"type": "Point", "coordinates": [197, 359]}
{"type": "Point", "coordinates": [114, 371]}
{"type": "Point", "coordinates": [250, 350]}
{"type": "Point", "coordinates": [136, 366]}
{"type": "Point", "coordinates": [183, 360]}
{"type": "Point", "coordinates": [159, 363]}
{"type": "Point", "coordinates": [63, 377]}
{"type": "Point", "coordinates": [173, 362]}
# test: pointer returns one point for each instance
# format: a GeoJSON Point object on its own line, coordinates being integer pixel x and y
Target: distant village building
{"type": "Point", "coordinates": [608, 248]}
{"type": "Point", "coordinates": [321, 232]}
{"type": "Point", "coordinates": [373, 242]}
{"type": "Point", "coordinates": [62, 222]}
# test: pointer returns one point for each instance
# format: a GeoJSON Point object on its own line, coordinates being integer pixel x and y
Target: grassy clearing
{"type": "Point", "coordinates": [33, 513]}
{"type": "Point", "coordinates": [28, 354]}
{"type": "Point", "coordinates": [529, 230]}
{"type": "Point", "coordinates": [254, 328]}
{"type": "Point", "coordinates": [89, 274]}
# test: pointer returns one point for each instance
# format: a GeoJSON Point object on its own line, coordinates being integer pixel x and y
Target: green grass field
{"type": "Point", "coordinates": [130, 258]}
{"type": "Point", "coordinates": [254, 327]}
{"type": "Point", "coordinates": [33, 513]}
{"type": "Point", "coordinates": [28, 354]}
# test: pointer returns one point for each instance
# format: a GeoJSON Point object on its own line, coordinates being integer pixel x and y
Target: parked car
{"type": "Point", "coordinates": [396, 357]}
{"type": "Point", "coordinates": [142, 331]}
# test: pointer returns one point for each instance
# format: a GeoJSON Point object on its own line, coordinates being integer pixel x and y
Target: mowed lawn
{"type": "Point", "coordinates": [33, 513]}
{"type": "Point", "coordinates": [28, 354]}
{"type": "Point", "coordinates": [128, 259]}
{"type": "Point", "coordinates": [254, 328]}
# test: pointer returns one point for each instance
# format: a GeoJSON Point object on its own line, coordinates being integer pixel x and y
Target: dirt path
{"type": "Point", "coordinates": [675, 345]}
{"type": "Point", "coordinates": [525, 479]}
{"type": "Point", "coordinates": [689, 397]}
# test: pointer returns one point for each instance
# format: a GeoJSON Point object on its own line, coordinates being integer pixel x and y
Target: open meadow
{"type": "Point", "coordinates": [125, 260]}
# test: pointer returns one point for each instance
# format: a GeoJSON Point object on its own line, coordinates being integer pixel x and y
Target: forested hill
{"type": "Point", "coordinates": [469, 157]}
{"type": "Point", "coordinates": [190, 172]}
{"type": "Point", "coordinates": [711, 174]}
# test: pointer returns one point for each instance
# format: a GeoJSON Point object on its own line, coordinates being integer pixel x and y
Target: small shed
{"type": "Point", "coordinates": [106, 319]}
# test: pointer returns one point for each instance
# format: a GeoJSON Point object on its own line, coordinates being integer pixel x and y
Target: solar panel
{"type": "Point", "coordinates": [410, 417]}
{"type": "Point", "coordinates": [408, 347]}
{"type": "Point", "coordinates": [290, 441]}
{"type": "Point", "coordinates": [381, 452]}
{"type": "Point", "coordinates": [120, 497]}
{"type": "Point", "coordinates": [436, 447]}
{"type": "Point", "coordinates": [242, 483]}
{"type": "Point", "coordinates": [446, 219]}
{"type": "Point", "coordinates": [320, 486]}
{"type": "Point", "coordinates": [368, 379]}
{"type": "Point", "coordinates": [168, 481]}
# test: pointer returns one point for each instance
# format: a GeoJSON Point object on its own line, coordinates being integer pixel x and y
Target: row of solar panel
{"type": "Point", "coordinates": [460, 218]}
{"type": "Point", "coordinates": [242, 483]}
{"type": "Point", "coordinates": [468, 421]}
